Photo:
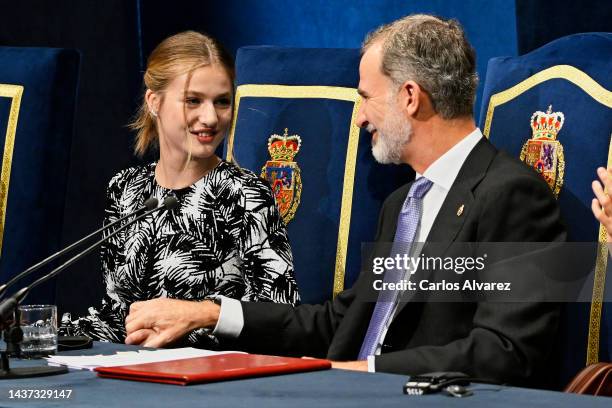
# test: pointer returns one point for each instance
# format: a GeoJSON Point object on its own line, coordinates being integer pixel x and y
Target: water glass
{"type": "Point", "coordinates": [39, 326]}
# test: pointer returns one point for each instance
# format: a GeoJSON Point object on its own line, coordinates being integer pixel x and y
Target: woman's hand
{"type": "Point", "coordinates": [162, 321]}
{"type": "Point", "coordinates": [602, 204]}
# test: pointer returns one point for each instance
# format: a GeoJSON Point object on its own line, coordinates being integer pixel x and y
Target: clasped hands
{"type": "Point", "coordinates": [162, 321]}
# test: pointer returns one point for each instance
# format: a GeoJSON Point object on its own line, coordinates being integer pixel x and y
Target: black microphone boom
{"type": "Point", "coordinates": [13, 335]}
{"type": "Point", "coordinates": [149, 204]}
{"type": "Point", "coordinates": [169, 204]}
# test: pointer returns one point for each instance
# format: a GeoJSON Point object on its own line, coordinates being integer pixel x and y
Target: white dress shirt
{"type": "Point", "coordinates": [442, 173]}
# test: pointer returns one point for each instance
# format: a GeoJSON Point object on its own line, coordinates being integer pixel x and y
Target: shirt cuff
{"type": "Point", "coordinates": [231, 318]}
{"type": "Point", "coordinates": [371, 361]}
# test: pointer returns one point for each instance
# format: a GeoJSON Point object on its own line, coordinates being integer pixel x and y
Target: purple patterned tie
{"type": "Point", "coordinates": [407, 227]}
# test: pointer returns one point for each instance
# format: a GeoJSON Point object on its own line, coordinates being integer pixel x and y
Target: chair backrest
{"type": "Point", "coordinates": [37, 103]}
{"type": "Point", "coordinates": [553, 108]}
{"type": "Point", "coordinates": [326, 182]}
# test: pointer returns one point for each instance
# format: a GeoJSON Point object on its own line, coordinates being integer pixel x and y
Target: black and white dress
{"type": "Point", "coordinates": [226, 237]}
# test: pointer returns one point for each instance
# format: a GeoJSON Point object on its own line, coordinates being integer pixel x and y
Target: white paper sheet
{"type": "Point", "coordinates": [130, 357]}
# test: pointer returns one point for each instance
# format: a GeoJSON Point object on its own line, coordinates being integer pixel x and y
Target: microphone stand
{"type": "Point", "coordinates": [14, 335]}
{"type": "Point", "coordinates": [149, 204]}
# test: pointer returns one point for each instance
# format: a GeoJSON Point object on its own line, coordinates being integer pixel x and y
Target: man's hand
{"type": "Point", "coordinates": [602, 204]}
{"type": "Point", "coordinates": [160, 322]}
{"type": "Point", "coordinates": [143, 337]}
{"type": "Point", "coordinates": [351, 365]}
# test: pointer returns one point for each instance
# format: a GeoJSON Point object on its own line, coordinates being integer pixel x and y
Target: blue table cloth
{"type": "Point", "coordinates": [331, 388]}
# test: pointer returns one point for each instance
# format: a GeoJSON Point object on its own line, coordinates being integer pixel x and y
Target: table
{"type": "Point", "coordinates": [331, 388]}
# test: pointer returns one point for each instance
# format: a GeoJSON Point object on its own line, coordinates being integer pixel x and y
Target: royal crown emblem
{"type": "Point", "coordinates": [543, 151]}
{"type": "Point", "coordinates": [283, 173]}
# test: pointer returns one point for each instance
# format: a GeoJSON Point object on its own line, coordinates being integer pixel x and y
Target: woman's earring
{"type": "Point", "coordinates": [153, 113]}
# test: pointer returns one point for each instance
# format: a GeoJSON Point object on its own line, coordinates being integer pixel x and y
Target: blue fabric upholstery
{"type": "Point", "coordinates": [40, 159]}
{"type": "Point", "coordinates": [573, 75]}
{"type": "Point", "coordinates": [317, 113]}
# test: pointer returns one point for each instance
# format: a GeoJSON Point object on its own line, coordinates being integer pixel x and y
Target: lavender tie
{"type": "Point", "coordinates": [407, 227]}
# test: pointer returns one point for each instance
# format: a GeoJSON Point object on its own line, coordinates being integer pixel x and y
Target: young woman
{"type": "Point", "coordinates": [226, 237]}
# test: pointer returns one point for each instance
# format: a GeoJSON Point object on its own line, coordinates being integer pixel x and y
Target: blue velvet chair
{"type": "Point", "coordinates": [326, 182]}
{"type": "Point", "coordinates": [37, 103]}
{"type": "Point", "coordinates": [553, 108]}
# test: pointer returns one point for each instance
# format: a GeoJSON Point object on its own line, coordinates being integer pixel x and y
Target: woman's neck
{"type": "Point", "coordinates": [174, 175]}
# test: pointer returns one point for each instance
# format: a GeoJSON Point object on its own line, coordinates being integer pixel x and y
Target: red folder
{"type": "Point", "coordinates": [221, 367]}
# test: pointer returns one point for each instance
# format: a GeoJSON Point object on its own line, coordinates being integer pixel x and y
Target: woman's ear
{"type": "Point", "coordinates": [153, 102]}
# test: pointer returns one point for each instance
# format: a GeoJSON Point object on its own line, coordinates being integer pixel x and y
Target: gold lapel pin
{"type": "Point", "coordinates": [460, 210]}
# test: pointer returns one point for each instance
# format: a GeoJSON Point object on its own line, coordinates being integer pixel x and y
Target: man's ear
{"type": "Point", "coordinates": [153, 102]}
{"type": "Point", "coordinates": [410, 95]}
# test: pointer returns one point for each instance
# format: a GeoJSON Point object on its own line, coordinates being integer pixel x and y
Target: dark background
{"type": "Point", "coordinates": [115, 37]}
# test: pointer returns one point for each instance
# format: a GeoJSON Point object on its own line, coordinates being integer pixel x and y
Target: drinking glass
{"type": "Point", "coordinates": [39, 326]}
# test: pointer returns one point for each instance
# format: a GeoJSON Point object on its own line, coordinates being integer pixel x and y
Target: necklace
{"type": "Point", "coordinates": [182, 180]}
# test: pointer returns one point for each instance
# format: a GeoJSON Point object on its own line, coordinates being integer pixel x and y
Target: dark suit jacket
{"type": "Point", "coordinates": [504, 201]}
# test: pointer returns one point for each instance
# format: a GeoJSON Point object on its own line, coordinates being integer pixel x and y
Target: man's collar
{"type": "Point", "coordinates": [444, 170]}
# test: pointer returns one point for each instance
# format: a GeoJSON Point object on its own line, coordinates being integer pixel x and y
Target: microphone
{"type": "Point", "coordinates": [8, 305]}
{"type": "Point", "coordinates": [149, 204]}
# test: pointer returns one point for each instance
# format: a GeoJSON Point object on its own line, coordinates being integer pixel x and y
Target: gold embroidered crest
{"type": "Point", "coordinates": [543, 151]}
{"type": "Point", "coordinates": [283, 173]}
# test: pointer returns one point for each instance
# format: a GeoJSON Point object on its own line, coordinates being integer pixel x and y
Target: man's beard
{"type": "Point", "coordinates": [393, 135]}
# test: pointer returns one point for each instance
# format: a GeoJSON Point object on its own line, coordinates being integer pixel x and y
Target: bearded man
{"type": "Point", "coordinates": [418, 84]}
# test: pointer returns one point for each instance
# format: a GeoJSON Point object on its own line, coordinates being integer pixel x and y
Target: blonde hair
{"type": "Point", "coordinates": [176, 55]}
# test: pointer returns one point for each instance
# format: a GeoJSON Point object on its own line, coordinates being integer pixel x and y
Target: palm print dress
{"type": "Point", "coordinates": [226, 237]}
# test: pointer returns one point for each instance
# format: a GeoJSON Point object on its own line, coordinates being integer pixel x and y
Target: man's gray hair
{"type": "Point", "coordinates": [436, 55]}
